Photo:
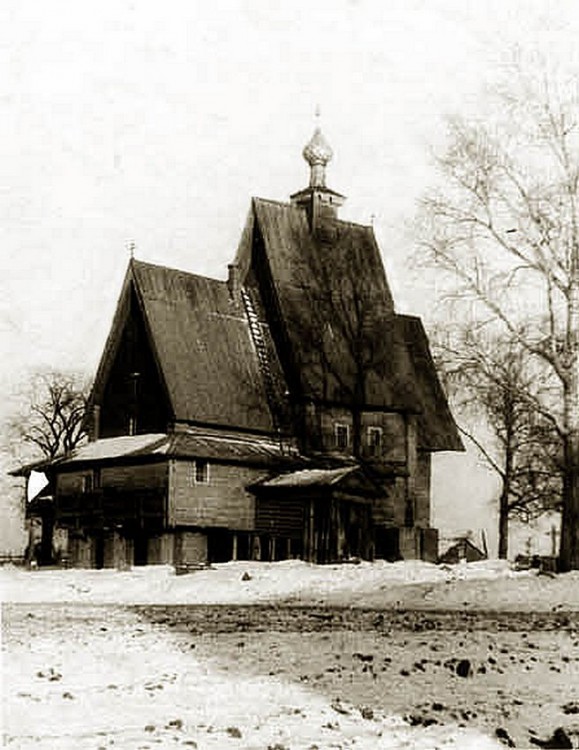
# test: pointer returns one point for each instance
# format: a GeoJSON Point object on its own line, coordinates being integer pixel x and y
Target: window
{"type": "Point", "coordinates": [375, 441]}
{"type": "Point", "coordinates": [198, 473]}
{"type": "Point", "coordinates": [201, 472]}
{"type": "Point", "coordinates": [87, 482]}
{"type": "Point", "coordinates": [342, 436]}
{"type": "Point", "coordinates": [96, 479]}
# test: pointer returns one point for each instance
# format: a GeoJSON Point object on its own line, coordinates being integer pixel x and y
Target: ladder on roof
{"type": "Point", "coordinates": [263, 354]}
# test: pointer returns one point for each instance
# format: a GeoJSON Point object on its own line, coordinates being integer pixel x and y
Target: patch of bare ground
{"type": "Point", "coordinates": [513, 675]}
{"type": "Point", "coordinates": [86, 676]}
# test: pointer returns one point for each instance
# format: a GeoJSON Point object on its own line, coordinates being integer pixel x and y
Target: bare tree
{"type": "Point", "coordinates": [505, 226]}
{"type": "Point", "coordinates": [51, 419]}
{"type": "Point", "coordinates": [498, 392]}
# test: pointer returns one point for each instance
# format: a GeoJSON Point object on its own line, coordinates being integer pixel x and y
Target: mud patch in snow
{"type": "Point", "coordinates": [362, 670]}
{"type": "Point", "coordinates": [98, 677]}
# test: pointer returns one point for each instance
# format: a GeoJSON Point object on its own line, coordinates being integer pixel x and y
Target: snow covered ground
{"type": "Point", "coordinates": [83, 670]}
{"type": "Point", "coordinates": [487, 585]}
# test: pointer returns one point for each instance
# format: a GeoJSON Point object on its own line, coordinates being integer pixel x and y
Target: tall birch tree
{"type": "Point", "coordinates": [504, 225]}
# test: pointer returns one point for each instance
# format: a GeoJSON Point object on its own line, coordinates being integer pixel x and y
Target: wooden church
{"type": "Point", "coordinates": [286, 412]}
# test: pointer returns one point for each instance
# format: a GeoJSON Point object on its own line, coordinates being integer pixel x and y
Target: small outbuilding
{"type": "Point", "coordinates": [462, 549]}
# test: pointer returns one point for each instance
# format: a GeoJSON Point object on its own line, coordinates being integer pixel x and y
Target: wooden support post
{"type": "Point", "coordinates": [234, 550]}
{"type": "Point", "coordinates": [334, 527]}
{"type": "Point", "coordinates": [411, 464]}
{"type": "Point", "coordinates": [306, 532]}
{"type": "Point", "coordinates": [323, 550]}
{"type": "Point", "coordinates": [313, 533]}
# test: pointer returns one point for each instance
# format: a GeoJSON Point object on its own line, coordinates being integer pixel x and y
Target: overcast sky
{"type": "Point", "coordinates": [157, 121]}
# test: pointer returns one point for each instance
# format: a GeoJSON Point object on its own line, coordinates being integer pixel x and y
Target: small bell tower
{"type": "Point", "coordinates": [320, 203]}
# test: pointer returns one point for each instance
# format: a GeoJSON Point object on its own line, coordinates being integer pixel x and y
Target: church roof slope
{"type": "Point", "coordinates": [347, 343]}
{"type": "Point", "coordinates": [437, 428]}
{"type": "Point", "coordinates": [204, 349]}
{"type": "Point", "coordinates": [298, 252]}
{"type": "Point", "coordinates": [332, 293]}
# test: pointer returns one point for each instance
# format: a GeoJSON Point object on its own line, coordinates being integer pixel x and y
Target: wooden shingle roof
{"type": "Point", "coordinates": [339, 319]}
{"type": "Point", "coordinates": [334, 311]}
{"type": "Point", "coordinates": [202, 345]}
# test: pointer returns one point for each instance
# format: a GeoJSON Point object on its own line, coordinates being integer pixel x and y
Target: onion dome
{"type": "Point", "coordinates": [317, 152]}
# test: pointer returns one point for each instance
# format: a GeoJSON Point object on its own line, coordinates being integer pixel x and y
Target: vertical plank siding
{"type": "Point", "coordinates": [223, 501]}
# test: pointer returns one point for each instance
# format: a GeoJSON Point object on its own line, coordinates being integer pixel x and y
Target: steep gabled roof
{"type": "Point", "coordinates": [338, 318]}
{"type": "Point", "coordinates": [294, 252]}
{"type": "Point", "coordinates": [334, 311]}
{"type": "Point", "coordinates": [437, 428]}
{"type": "Point", "coordinates": [114, 337]}
{"type": "Point", "coordinates": [202, 345]}
{"type": "Point", "coordinates": [318, 285]}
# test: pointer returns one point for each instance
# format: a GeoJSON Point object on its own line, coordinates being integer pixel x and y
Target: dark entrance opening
{"type": "Point", "coordinates": [297, 548]}
{"type": "Point", "coordinates": [243, 546]}
{"type": "Point", "coordinates": [219, 545]}
{"type": "Point", "coordinates": [99, 550]}
{"type": "Point", "coordinates": [387, 544]}
{"type": "Point", "coordinates": [264, 547]}
{"type": "Point", "coordinates": [140, 549]}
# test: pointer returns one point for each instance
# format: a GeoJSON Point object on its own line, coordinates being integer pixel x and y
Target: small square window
{"type": "Point", "coordinates": [342, 436]}
{"type": "Point", "coordinates": [375, 441]}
